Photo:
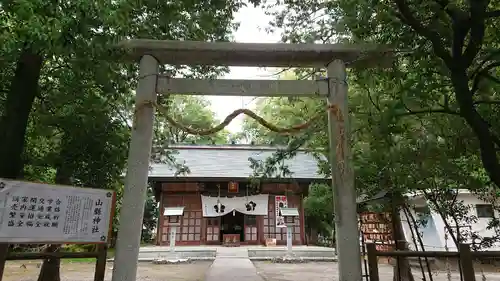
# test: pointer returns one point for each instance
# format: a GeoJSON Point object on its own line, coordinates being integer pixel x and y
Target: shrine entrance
{"type": "Point", "coordinates": [335, 58]}
{"type": "Point", "coordinates": [232, 228]}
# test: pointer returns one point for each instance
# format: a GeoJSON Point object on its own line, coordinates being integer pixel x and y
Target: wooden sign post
{"type": "Point", "coordinates": [54, 214]}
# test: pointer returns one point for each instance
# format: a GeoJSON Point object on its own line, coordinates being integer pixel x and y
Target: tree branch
{"type": "Point", "coordinates": [444, 4]}
{"type": "Point", "coordinates": [460, 26]}
{"type": "Point", "coordinates": [495, 139]}
{"type": "Point", "coordinates": [493, 14]}
{"type": "Point", "coordinates": [408, 18]}
{"type": "Point", "coordinates": [487, 102]}
{"type": "Point", "coordinates": [429, 111]}
{"type": "Point", "coordinates": [492, 78]}
{"type": "Point", "coordinates": [445, 109]}
{"type": "Point", "coordinates": [488, 58]}
{"type": "Point", "coordinates": [477, 27]}
{"type": "Point", "coordinates": [377, 107]}
{"type": "Point", "coordinates": [121, 116]}
{"type": "Point", "coordinates": [484, 73]}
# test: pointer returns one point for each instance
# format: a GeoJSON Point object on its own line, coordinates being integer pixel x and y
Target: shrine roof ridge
{"type": "Point", "coordinates": [259, 147]}
{"type": "Point", "coordinates": [231, 162]}
{"type": "Point", "coordinates": [258, 54]}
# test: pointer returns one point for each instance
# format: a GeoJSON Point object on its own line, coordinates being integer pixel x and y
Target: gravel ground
{"type": "Point", "coordinates": [81, 271]}
{"type": "Point", "coordinates": [328, 272]}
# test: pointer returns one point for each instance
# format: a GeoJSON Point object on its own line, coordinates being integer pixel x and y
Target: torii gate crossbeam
{"type": "Point", "coordinates": [335, 57]}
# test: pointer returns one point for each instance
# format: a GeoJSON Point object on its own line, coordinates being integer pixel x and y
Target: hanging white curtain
{"type": "Point", "coordinates": [248, 205]}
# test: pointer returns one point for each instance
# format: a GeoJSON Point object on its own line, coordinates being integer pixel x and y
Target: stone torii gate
{"type": "Point", "coordinates": [335, 57]}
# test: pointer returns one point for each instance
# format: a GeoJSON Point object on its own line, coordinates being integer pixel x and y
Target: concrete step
{"type": "Point", "coordinates": [232, 269]}
{"type": "Point", "coordinates": [232, 253]}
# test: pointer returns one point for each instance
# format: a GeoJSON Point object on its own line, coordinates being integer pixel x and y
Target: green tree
{"type": "Point", "coordinates": [318, 211]}
{"type": "Point", "coordinates": [80, 36]}
{"type": "Point", "coordinates": [87, 144]}
{"type": "Point", "coordinates": [434, 114]}
{"type": "Point", "coordinates": [451, 66]}
{"type": "Point", "coordinates": [399, 158]}
{"type": "Point", "coordinates": [60, 65]}
{"type": "Point", "coordinates": [434, 154]}
{"type": "Point", "coordinates": [150, 217]}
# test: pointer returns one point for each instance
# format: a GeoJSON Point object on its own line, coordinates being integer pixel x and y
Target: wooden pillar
{"type": "Point", "coordinates": [302, 221]}
{"type": "Point", "coordinates": [371, 252]}
{"type": "Point", "coordinates": [4, 251]}
{"type": "Point", "coordinates": [100, 264]}
{"type": "Point", "coordinates": [203, 240]}
{"type": "Point", "coordinates": [161, 219]}
{"type": "Point", "coordinates": [260, 229]}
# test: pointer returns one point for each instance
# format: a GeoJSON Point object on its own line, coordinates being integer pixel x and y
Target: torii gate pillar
{"type": "Point", "coordinates": [136, 180]}
{"type": "Point", "coordinates": [344, 192]}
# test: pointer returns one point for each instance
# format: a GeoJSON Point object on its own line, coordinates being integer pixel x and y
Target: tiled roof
{"type": "Point", "coordinates": [231, 161]}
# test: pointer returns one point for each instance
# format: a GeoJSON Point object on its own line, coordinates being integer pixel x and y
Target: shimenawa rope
{"type": "Point", "coordinates": [204, 132]}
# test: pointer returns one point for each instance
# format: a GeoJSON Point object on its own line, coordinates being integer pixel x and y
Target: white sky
{"type": "Point", "coordinates": [253, 22]}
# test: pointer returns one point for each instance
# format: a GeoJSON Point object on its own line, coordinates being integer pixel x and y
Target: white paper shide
{"type": "Point", "coordinates": [37, 213]}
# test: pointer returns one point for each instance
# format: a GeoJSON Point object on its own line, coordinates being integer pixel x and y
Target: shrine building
{"type": "Point", "coordinates": [217, 202]}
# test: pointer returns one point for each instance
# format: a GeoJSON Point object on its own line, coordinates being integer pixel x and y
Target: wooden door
{"type": "Point", "coordinates": [213, 230]}
{"type": "Point", "coordinates": [251, 229]}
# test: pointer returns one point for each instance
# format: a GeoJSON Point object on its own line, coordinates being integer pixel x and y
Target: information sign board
{"type": "Point", "coordinates": [43, 213]}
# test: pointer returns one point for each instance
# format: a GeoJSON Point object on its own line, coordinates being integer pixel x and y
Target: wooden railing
{"type": "Point", "coordinates": [465, 257]}
{"type": "Point", "coordinates": [100, 255]}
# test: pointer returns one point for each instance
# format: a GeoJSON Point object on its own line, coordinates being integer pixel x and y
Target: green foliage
{"type": "Point", "coordinates": [428, 123]}
{"type": "Point", "coordinates": [318, 209]}
{"type": "Point", "coordinates": [67, 94]}
{"type": "Point", "coordinates": [452, 68]}
{"type": "Point", "coordinates": [150, 217]}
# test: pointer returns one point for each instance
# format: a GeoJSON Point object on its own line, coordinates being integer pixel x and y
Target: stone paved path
{"type": "Point", "coordinates": [232, 264]}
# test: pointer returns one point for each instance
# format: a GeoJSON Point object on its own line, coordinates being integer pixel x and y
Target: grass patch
{"type": "Point", "coordinates": [111, 254]}
{"type": "Point", "coordinates": [84, 260]}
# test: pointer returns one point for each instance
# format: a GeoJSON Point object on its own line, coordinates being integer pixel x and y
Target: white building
{"type": "Point", "coordinates": [433, 232]}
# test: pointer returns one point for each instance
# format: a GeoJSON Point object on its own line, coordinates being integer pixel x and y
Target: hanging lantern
{"type": "Point", "coordinates": [233, 187]}
{"type": "Point", "coordinates": [234, 213]}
